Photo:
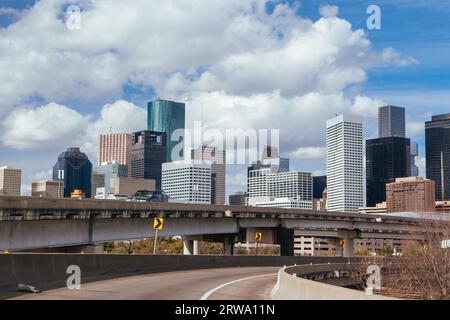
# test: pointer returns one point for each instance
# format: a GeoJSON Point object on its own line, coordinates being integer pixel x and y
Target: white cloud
{"type": "Point", "coordinates": [44, 127]}
{"type": "Point", "coordinates": [57, 127]}
{"type": "Point", "coordinates": [5, 11]}
{"type": "Point", "coordinates": [42, 175]}
{"type": "Point", "coordinates": [421, 163]}
{"type": "Point", "coordinates": [391, 56]}
{"type": "Point", "coordinates": [236, 179]}
{"type": "Point", "coordinates": [301, 120]}
{"type": "Point", "coordinates": [415, 128]}
{"type": "Point", "coordinates": [201, 45]}
{"type": "Point", "coordinates": [309, 153]}
{"type": "Point", "coordinates": [329, 11]}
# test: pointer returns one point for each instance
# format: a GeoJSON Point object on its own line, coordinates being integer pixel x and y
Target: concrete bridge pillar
{"type": "Point", "coordinates": [348, 236]}
{"type": "Point", "coordinates": [190, 247]}
{"type": "Point", "coordinates": [286, 241]}
{"type": "Point", "coordinates": [229, 246]}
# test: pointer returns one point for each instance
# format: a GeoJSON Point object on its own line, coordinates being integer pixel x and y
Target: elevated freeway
{"type": "Point", "coordinates": [31, 223]}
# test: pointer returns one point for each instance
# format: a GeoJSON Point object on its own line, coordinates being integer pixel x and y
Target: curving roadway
{"type": "Point", "coordinates": [211, 284]}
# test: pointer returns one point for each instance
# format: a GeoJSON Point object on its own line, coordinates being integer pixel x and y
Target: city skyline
{"type": "Point", "coordinates": [120, 105]}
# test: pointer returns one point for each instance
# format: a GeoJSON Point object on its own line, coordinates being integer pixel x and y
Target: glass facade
{"type": "Point", "coordinates": [168, 116]}
{"type": "Point", "coordinates": [437, 139]}
{"type": "Point", "coordinates": [391, 122]}
{"type": "Point", "coordinates": [386, 159]}
{"type": "Point", "coordinates": [77, 171]}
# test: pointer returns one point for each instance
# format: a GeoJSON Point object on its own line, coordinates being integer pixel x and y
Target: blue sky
{"type": "Point", "coordinates": [415, 29]}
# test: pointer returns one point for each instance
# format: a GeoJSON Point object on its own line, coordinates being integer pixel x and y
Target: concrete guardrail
{"type": "Point", "coordinates": [291, 285]}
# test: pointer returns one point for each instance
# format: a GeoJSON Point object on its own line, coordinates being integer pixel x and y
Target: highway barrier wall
{"type": "Point", "coordinates": [291, 287]}
{"type": "Point", "coordinates": [47, 271]}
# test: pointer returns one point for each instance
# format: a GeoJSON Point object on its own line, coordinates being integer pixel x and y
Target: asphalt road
{"type": "Point", "coordinates": [211, 284]}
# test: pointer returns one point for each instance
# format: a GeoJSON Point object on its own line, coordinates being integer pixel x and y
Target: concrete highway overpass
{"type": "Point", "coordinates": [34, 223]}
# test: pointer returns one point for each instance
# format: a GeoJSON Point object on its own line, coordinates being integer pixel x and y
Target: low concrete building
{"type": "Point", "coordinates": [380, 208]}
{"type": "Point", "coordinates": [129, 186]}
{"type": "Point", "coordinates": [287, 203]}
{"type": "Point", "coordinates": [314, 246]}
{"type": "Point", "coordinates": [97, 181]}
{"type": "Point", "coordinates": [237, 199]}
{"type": "Point", "coordinates": [46, 189]}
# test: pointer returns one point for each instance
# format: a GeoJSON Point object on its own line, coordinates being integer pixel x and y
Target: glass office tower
{"type": "Point", "coordinates": [437, 139]}
{"type": "Point", "coordinates": [168, 116]}
{"type": "Point", "coordinates": [77, 171]}
{"type": "Point", "coordinates": [386, 159]}
{"type": "Point", "coordinates": [391, 122]}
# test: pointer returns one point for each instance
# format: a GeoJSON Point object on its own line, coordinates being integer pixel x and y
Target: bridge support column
{"type": "Point", "coordinates": [228, 246]}
{"type": "Point", "coordinates": [348, 236]}
{"type": "Point", "coordinates": [190, 247]}
{"type": "Point", "coordinates": [286, 241]}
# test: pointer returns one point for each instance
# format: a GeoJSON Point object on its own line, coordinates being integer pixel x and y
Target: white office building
{"type": "Point", "coordinates": [187, 182]}
{"type": "Point", "coordinates": [291, 189]}
{"type": "Point", "coordinates": [344, 139]}
{"type": "Point", "coordinates": [285, 203]}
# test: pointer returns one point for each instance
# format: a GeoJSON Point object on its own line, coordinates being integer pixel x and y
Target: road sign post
{"type": "Point", "coordinates": [258, 237]}
{"type": "Point", "coordinates": [342, 244]}
{"type": "Point", "coordinates": [158, 224]}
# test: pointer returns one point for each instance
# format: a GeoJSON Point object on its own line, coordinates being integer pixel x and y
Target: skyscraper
{"type": "Point", "coordinates": [344, 139]}
{"type": "Point", "coordinates": [437, 139]}
{"type": "Point", "coordinates": [386, 159]}
{"type": "Point", "coordinates": [116, 147]}
{"type": "Point", "coordinates": [319, 186]}
{"type": "Point", "coordinates": [77, 171]}
{"type": "Point", "coordinates": [148, 153]}
{"type": "Point", "coordinates": [168, 116]}
{"type": "Point", "coordinates": [391, 122]}
{"type": "Point", "coordinates": [10, 181]}
{"type": "Point", "coordinates": [187, 182]}
{"type": "Point", "coordinates": [216, 158]}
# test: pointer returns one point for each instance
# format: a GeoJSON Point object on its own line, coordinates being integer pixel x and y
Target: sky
{"type": "Point", "coordinates": [287, 65]}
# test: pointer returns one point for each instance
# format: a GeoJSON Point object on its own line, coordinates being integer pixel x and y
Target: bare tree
{"type": "Point", "coordinates": [423, 272]}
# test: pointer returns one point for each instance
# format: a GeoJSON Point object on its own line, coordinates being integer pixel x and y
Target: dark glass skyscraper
{"type": "Point", "coordinates": [148, 153]}
{"type": "Point", "coordinates": [168, 116]}
{"type": "Point", "coordinates": [319, 186]}
{"type": "Point", "coordinates": [77, 171]}
{"type": "Point", "coordinates": [437, 139]}
{"type": "Point", "coordinates": [386, 159]}
{"type": "Point", "coordinates": [391, 122]}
